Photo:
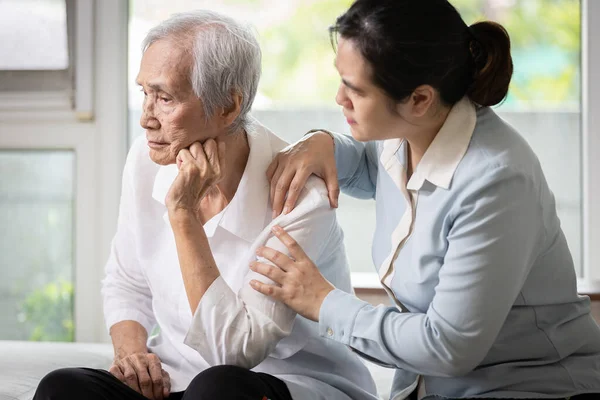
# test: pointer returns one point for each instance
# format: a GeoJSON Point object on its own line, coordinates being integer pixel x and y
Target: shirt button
{"type": "Point", "coordinates": [329, 332]}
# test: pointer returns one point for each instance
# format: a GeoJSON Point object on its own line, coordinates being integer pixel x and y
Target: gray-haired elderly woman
{"type": "Point", "coordinates": [194, 209]}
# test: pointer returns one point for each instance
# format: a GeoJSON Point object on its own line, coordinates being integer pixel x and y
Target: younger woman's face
{"type": "Point", "coordinates": [370, 112]}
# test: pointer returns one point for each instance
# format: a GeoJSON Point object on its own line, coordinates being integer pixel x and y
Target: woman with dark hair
{"type": "Point", "coordinates": [468, 243]}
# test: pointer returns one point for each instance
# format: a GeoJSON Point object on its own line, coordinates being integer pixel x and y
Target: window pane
{"type": "Point", "coordinates": [34, 35]}
{"type": "Point", "coordinates": [36, 268]}
{"type": "Point", "coordinates": [299, 84]}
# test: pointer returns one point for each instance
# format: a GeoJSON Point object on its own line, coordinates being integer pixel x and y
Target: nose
{"type": "Point", "coordinates": [342, 99]}
{"type": "Point", "coordinates": [148, 119]}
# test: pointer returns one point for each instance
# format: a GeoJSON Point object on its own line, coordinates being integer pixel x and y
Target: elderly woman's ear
{"type": "Point", "coordinates": [231, 112]}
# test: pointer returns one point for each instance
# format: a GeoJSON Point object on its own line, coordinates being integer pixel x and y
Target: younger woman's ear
{"type": "Point", "coordinates": [421, 100]}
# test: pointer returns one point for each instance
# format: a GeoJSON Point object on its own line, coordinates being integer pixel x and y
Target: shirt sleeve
{"type": "Point", "coordinates": [244, 328]}
{"type": "Point", "coordinates": [125, 292]}
{"type": "Point", "coordinates": [357, 165]}
{"type": "Point", "coordinates": [492, 245]}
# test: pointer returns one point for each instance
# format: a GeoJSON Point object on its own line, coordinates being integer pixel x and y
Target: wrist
{"type": "Point", "coordinates": [122, 352]}
{"type": "Point", "coordinates": [182, 218]}
{"type": "Point", "coordinates": [320, 300]}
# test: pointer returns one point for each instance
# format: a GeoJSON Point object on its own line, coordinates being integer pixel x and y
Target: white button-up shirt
{"type": "Point", "coordinates": [233, 323]}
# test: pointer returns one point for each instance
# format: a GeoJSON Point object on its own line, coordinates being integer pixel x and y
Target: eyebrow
{"type": "Point", "coordinates": [344, 81]}
{"type": "Point", "coordinates": [351, 86]}
{"type": "Point", "coordinates": [154, 86]}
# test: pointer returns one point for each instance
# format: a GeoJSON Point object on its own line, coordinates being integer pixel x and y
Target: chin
{"type": "Point", "coordinates": [161, 157]}
{"type": "Point", "coordinates": [359, 135]}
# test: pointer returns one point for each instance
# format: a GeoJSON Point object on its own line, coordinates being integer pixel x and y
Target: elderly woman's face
{"type": "Point", "coordinates": [173, 115]}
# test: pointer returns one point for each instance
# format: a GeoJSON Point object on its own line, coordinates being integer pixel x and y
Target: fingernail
{"type": "Point", "coordinates": [276, 228]}
{"type": "Point", "coordinates": [274, 214]}
{"type": "Point", "coordinates": [286, 210]}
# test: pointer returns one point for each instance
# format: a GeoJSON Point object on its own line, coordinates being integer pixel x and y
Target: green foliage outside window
{"type": "Point", "coordinates": [47, 313]}
{"type": "Point", "coordinates": [298, 57]}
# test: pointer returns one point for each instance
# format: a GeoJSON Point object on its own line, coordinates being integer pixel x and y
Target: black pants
{"type": "Point", "coordinates": [223, 382]}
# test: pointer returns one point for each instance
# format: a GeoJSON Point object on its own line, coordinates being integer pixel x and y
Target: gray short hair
{"type": "Point", "coordinates": [226, 58]}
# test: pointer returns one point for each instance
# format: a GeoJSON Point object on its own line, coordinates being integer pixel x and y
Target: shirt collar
{"type": "Point", "coordinates": [245, 215]}
{"type": "Point", "coordinates": [448, 148]}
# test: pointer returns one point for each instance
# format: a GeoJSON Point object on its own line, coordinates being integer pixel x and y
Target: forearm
{"type": "Point", "coordinates": [356, 164]}
{"type": "Point", "coordinates": [198, 267]}
{"type": "Point", "coordinates": [237, 329]}
{"type": "Point", "coordinates": [128, 337]}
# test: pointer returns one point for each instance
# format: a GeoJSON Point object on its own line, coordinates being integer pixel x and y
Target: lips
{"type": "Point", "coordinates": [156, 145]}
{"type": "Point", "coordinates": [349, 120]}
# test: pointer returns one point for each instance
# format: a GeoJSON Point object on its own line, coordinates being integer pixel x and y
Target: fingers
{"type": "Point", "coordinates": [130, 375]}
{"type": "Point", "coordinates": [279, 189]}
{"type": "Point", "coordinates": [268, 290]}
{"type": "Point", "coordinates": [140, 363]}
{"type": "Point", "coordinates": [115, 370]}
{"type": "Point", "coordinates": [221, 147]}
{"type": "Point", "coordinates": [333, 187]}
{"type": "Point", "coordinates": [295, 249]}
{"type": "Point", "coordinates": [272, 168]}
{"type": "Point", "coordinates": [166, 384]}
{"type": "Point", "coordinates": [185, 156]}
{"type": "Point", "coordinates": [295, 189]}
{"type": "Point", "coordinates": [206, 157]}
{"type": "Point", "coordinates": [197, 151]}
{"type": "Point", "coordinates": [272, 185]}
{"type": "Point", "coordinates": [211, 151]}
{"type": "Point", "coordinates": [156, 376]}
{"type": "Point", "coordinates": [212, 154]}
{"type": "Point", "coordinates": [276, 257]}
{"type": "Point", "coordinates": [273, 273]}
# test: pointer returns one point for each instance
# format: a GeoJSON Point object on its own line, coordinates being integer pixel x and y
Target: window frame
{"type": "Point", "coordinates": [590, 44]}
{"type": "Point", "coordinates": [47, 120]}
{"type": "Point", "coordinates": [46, 80]}
{"type": "Point", "coordinates": [91, 122]}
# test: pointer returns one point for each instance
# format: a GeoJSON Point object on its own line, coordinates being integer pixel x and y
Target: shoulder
{"type": "Point", "coordinates": [315, 195]}
{"type": "Point", "coordinates": [497, 151]}
{"type": "Point", "coordinates": [312, 210]}
{"type": "Point", "coordinates": [313, 201]}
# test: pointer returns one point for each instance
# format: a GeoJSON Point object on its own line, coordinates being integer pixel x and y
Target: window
{"type": "Point", "coordinates": [37, 55]}
{"type": "Point", "coordinates": [56, 170]}
{"type": "Point", "coordinates": [36, 289]}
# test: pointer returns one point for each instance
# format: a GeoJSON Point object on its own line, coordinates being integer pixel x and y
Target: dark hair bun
{"type": "Point", "coordinates": [493, 63]}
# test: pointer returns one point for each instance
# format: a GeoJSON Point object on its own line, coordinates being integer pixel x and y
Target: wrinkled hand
{"type": "Point", "coordinates": [301, 285]}
{"type": "Point", "coordinates": [199, 169]}
{"type": "Point", "coordinates": [143, 373]}
{"type": "Point", "coordinates": [290, 170]}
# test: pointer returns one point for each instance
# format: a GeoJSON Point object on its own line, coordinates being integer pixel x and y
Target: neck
{"type": "Point", "coordinates": [421, 139]}
{"type": "Point", "coordinates": [237, 150]}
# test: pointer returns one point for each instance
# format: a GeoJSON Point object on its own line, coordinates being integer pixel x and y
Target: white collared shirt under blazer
{"type": "Point", "coordinates": [233, 323]}
{"type": "Point", "coordinates": [471, 250]}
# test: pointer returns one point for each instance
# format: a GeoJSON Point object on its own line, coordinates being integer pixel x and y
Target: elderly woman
{"type": "Point", "coordinates": [194, 209]}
